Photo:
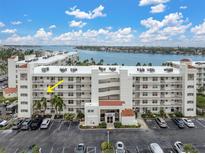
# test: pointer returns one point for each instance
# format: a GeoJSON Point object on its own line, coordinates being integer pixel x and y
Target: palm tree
{"type": "Point", "coordinates": [44, 103]}
{"type": "Point", "coordinates": [37, 105]}
{"type": "Point", "coordinates": [57, 103]}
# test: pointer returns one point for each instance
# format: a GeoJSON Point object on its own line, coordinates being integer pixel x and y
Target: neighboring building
{"type": "Point", "coordinates": [10, 92]}
{"type": "Point", "coordinates": [3, 83]}
{"type": "Point", "coordinates": [58, 59]}
{"type": "Point", "coordinates": [199, 65]}
{"type": "Point", "coordinates": [109, 93]}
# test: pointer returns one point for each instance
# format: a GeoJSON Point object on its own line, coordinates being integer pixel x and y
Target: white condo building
{"type": "Point", "coordinates": [109, 93]}
{"type": "Point", "coordinates": [57, 59]}
{"type": "Point", "coordinates": [198, 65]}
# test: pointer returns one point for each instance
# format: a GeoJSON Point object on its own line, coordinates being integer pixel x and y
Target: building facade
{"type": "Point", "coordinates": [109, 93]}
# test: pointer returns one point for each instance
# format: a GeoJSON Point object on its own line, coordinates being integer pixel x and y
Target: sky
{"type": "Point", "coordinates": [103, 22]}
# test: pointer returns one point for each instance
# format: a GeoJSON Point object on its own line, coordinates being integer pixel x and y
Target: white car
{"type": "Point", "coordinates": [3, 123]}
{"type": "Point", "coordinates": [188, 122]}
{"type": "Point", "coordinates": [179, 147]}
{"type": "Point", "coordinates": [120, 147]}
{"type": "Point", "coordinates": [45, 124]}
{"type": "Point", "coordinates": [155, 148]}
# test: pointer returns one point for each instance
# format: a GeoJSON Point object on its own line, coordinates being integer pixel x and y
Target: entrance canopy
{"type": "Point", "coordinates": [111, 103]}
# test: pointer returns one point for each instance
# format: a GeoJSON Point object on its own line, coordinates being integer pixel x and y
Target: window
{"type": "Point", "coordinates": [70, 94]}
{"type": "Point", "coordinates": [144, 93]}
{"type": "Point", "coordinates": [24, 102]}
{"type": "Point", "coordinates": [70, 86]}
{"type": "Point", "coordinates": [70, 78]}
{"type": "Point", "coordinates": [145, 86]}
{"type": "Point", "coordinates": [190, 102]}
{"type": "Point", "coordinates": [70, 101]}
{"type": "Point", "coordinates": [154, 79]}
{"type": "Point", "coordinates": [154, 94]}
{"type": "Point", "coordinates": [60, 94]}
{"type": "Point", "coordinates": [155, 86]}
{"type": "Point", "coordinates": [60, 78]}
{"type": "Point", "coordinates": [23, 94]}
{"type": "Point", "coordinates": [24, 86]}
{"type": "Point", "coordinates": [60, 86]}
{"type": "Point", "coordinates": [154, 109]}
{"type": "Point", "coordinates": [70, 109]}
{"type": "Point", "coordinates": [190, 76]}
{"type": "Point", "coordinates": [24, 110]}
{"type": "Point", "coordinates": [190, 86]}
{"type": "Point", "coordinates": [190, 94]}
{"type": "Point", "coordinates": [144, 102]}
{"type": "Point", "coordinates": [90, 111]}
{"type": "Point", "coordinates": [145, 78]}
{"type": "Point", "coordinates": [190, 109]}
{"type": "Point", "coordinates": [23, 76]}
{"type": "Point", "coordinates": [154, 102]}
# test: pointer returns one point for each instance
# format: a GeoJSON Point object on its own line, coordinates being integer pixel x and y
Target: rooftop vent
{"type": "Point", "coordinates": [45, 69]}
{"type": "Point", "coordinates": [113, 69]}
{"type": "Point", "coordinates": [168, 70]}
{"type": "Point", "coordinates": [151, 70]}
{"type": "Point", "coordinates": [140, 69]}
{"type": "Point", "coordinates": [73, 70]}
{"type": "Point", "coordinates": [63, 70]}
{"type": "Point", "coordinates": [27, 61]}
{"type": "Point", "coordinates": [102, 69]}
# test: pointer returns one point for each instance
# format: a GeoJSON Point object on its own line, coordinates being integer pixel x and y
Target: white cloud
{"type": "Point", "coordinates": [199, 31]}
{"type": "Point", "coordinates": [77, 13]}
{"type": "Point", "coordinates": [16, 22]}
{"type": "Point", "coordinates": [172, 25]}
{"type": "Point", "coordinates": [19, 40]}
{"type": "Point", "coordinates": [2, 24]}
{"type": "Point", "coordinates": [158, 8]}
{"type": "Point", "coordinates": [42, 34]}
{"type": "Point", "coordinates": [152, 2]}
{"type": "Point", "coordinates": [29, 20]}
{"type": "Point", "coordinates": [74, 23]}
{"type": "Point", "coordinates": [52, 27]}
{"type": "Point", "coordinates": [9, 31]}
{"type": "Point", "coordinates": [183, 7]}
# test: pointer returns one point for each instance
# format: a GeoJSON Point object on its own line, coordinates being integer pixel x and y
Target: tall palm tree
{"type": "Point", "coordinates": [57, 103]}
{"type": "Point", "coordinates": [44, 103]}
{"type": "Point", "coordinates": [37, 105]}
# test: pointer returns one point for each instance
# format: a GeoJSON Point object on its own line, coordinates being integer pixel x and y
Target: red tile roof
{"type": "Point", "coordinates": [185, 60]}
{"type": "Point", "coordinates": [111, 103]}
{"type": "Point", "coordinates": [127, 113]}
{"type": "Point", "coordinates": [10, 90]}
{"type": "Point", "coordinates": [23, 66]}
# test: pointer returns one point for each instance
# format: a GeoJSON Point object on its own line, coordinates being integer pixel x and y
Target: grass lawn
{"type": "Point", "coordinates": [201, 101]}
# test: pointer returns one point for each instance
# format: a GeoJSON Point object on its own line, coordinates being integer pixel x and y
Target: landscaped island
{"type": "Point", "coordinates": [143, 49]}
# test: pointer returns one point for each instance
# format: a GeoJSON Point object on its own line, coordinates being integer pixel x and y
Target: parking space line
{"type": "Point", "coordinates": [60, 125]}
{"type": "Point", "coordinates": [200, 123]}
{"type": "Point", "coordinates": [69, 126]}
{"type": "Point", "coordinates": [16, 150]}
{"type": "Point", "coordinates": [63, 151]}
{"type": "Point", "coordinates": [51, 124]}
{"type": "Point", "coordinates": [137, 149]}
{"type": "Point", "coordinates": [149, 149]}
{"type": "Point", "coordinates": [51, 150]}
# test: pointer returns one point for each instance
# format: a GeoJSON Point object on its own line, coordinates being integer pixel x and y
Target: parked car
{"type": "Point", "coordinates": [155, 148]}
{"type": "Point", "coordinates": [179, 122]}
{"type": "Point", "coordinates": [81, 148]}
{"type": "Point", "coordinates": [26, 124]}
{"type": "Point", "coordinates": [161, 122]}
{"type": "Point", "coordinates": [35, 123]}
{"type": "Point", "coordinates": [179, 147]}
{"type": "Point", "coordinates": [45, 124]}
{"type": "Point", "coordinates": [17, 124]}
{"type": "Point", "coordinates": [3, 123]}
{"type": "Point", "coordinates": [188, 122]}
{"type": "Point", "coordinates": [120, 147]}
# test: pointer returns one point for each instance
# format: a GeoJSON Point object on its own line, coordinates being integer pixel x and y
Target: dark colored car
{"type": "Point", "coordinates": [17, 124]}
{"type": "Point", "coordinates": [161, 122]}
{"type": "Point", "coordinates": [36, 123]}
{"type": "Point", "coordinates": [26, 124]}
{"type": "Point", "coordinates": [179, 122]}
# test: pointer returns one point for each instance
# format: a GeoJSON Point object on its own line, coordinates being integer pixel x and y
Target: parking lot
{"type": "Point", "coordinates": [151, 123]}
{"type": "Point", "coordinates": [62, 137]}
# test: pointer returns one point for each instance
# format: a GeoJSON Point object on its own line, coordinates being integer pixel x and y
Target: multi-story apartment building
{"type": "Point", "coordinates": [199, 65]}
{"type": "Point", "coordinates": [57, 59]}
{"type": "Point", "coordinates": [109, 93]}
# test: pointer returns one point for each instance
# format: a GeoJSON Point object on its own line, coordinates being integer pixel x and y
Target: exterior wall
{"type": "Point", "coordinates": [12, 72]}
{"type": "Point", "coordinates": [9, 95]}
{"type": "Point", "coordinates": [128, 120]}
{"type": "Point", "coordinates": [91, 114]}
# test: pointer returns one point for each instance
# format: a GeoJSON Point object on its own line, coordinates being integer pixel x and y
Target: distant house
{"type": "Point", "coordinates": [10, 92]}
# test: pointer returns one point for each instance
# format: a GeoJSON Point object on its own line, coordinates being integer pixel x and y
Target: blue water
{"type": "Point", "coordinates": [124, 58]}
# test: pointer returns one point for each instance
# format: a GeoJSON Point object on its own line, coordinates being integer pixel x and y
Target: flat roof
{"type": "Point", "coordinates": [132, 70]}
{"type": "Point", "coordinates": [53, 58]}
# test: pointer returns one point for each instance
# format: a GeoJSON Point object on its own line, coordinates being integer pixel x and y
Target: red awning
{"type": "Point", "coordinates": [111, 103]}
{"type": "Point", "coordinates": [127, 113]}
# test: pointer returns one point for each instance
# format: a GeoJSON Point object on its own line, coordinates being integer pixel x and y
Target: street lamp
{"type": "Point", "coordinates": [108, 137]}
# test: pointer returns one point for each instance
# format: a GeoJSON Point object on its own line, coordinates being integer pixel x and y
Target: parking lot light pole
{"type": "Point", "coordinates": [108, 136]}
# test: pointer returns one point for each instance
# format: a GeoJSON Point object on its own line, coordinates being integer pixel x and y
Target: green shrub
{"type": "Point", "coordinates": [102, 125]}
{"type": "Point", "coordinates": [178, 114]}
{"type": "Point", "coordinates": [188, 148]}
{"type": "Point", "coordinates": [118, 124]}
{"type": "Point", "coordinates": [80, 115]}
{"type": "Point", "coordinates": [69, 116]}
{"type": "Point", "coordinates": [107, 147]}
